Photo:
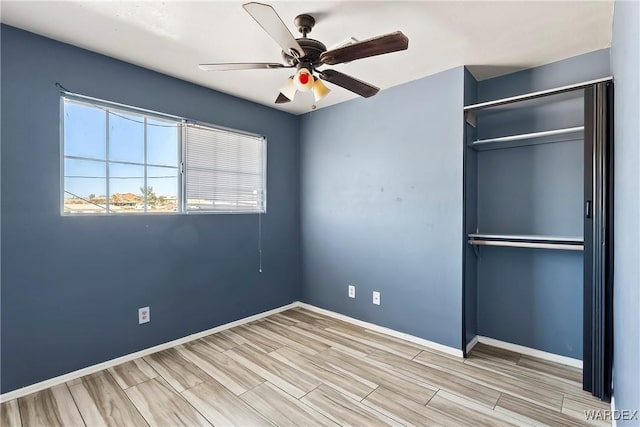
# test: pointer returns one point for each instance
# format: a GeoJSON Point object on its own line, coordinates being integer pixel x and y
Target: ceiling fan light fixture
{"type": "Point", "coordinates": [289, 89]}
{"type": "Point", "coordinates": [303, 80]}
{"type": "Point", "coordinates": [320, 90]}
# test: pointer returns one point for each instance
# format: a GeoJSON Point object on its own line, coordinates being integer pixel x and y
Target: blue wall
{"type": "Point", "coordinates": [533, 297]}
{"type": "Point", "coordinates": [625, 64]}
{"type": "Point", "coordinates": [535, 189]}
{"type": "Point", "coordinates": [71, 286]}
{"type": "Point", "coordinates": [576, 69]}
{"type": "Point", "coordinates": [381, 207]}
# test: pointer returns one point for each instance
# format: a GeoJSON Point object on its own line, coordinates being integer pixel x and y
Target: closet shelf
{"type": "Point", "coordinates": [528, 241]}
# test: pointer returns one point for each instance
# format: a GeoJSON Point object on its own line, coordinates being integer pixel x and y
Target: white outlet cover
{"type": "Point", "coordinates": [144, 315]}
{"type": "Point", "coordinates": [376, 298]}
{"type": "Point", "coordinates": [352, 291]}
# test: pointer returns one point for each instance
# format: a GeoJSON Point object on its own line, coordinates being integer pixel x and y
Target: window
{"type": "Point", "coordinates": [119, 160]}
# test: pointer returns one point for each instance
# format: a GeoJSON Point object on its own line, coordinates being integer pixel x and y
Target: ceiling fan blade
{"type": "Point", "coordinates": [271, 22]}
{"type": "Point", "coordinates": [349, 83]}
{"type": "Point", "coordinates": [380, 45]}
{"type": "Point", "coordinates": [231, 66]}
{"type": "Point", "coordinates": [281, 99]}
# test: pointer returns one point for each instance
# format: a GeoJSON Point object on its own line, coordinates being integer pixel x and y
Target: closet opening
{"type": "Point", "coordinates": [538, 200]}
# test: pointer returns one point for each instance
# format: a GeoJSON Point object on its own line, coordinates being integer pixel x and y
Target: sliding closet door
{"type": "Point", "coordinates": [598, 240]}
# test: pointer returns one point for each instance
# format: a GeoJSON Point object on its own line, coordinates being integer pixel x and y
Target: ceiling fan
{"type": "Point", "coordinates": [306, 55]}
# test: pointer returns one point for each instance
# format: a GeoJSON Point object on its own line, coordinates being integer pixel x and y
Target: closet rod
{"type": "Point", "coordinates": [530, 135]}
{"type": "Point", "coordinates": [534, 237]}
{"type": "Point", "coordinates": [534, 95]}
{"type": "Point", "coordinates": [526, 244]}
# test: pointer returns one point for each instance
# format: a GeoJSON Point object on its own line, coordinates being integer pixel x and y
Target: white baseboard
{"type": "Point", "coordinates": [472, 343]}
{"type": "Point", "coordinates": [530, 352]}
{"type": "Point", "coordinates": [383, 330]}
{"type": "Point", "coordinates": [131, 356]}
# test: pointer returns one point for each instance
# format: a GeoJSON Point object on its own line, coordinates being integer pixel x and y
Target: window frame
{"type": "Point", "coordinates": [182, 168]}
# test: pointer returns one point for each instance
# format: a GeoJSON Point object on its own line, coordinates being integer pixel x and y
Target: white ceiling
{"type": "Point", "coordinates": [172, 37]}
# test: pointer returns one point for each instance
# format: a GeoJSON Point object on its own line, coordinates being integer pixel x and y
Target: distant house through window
{"type": "Point", "coordinates": [124, 161]}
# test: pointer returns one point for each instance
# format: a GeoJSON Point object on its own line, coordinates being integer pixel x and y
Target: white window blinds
{"type": "Point", "coordinates": [225, 171]}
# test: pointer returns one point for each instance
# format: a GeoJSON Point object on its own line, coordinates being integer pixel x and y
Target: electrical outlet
{"type": "Point", "coordinates": [144, 315]}
{"type": "Point", "coordinates": [352, 291]}
{"type": "Point", "coordinates": [376, 298]}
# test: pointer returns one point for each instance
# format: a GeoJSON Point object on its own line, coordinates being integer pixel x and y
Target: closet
{"type": "Point", "coordinates": [538, 198]}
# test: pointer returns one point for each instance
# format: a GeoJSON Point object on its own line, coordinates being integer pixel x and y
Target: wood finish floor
{"type": "Point", "coordinates": [302, 368]}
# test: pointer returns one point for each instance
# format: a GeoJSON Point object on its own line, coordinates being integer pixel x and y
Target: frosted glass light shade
{"type": "Point", "coordinates": [289, 89]}
{"type": "Point", "coordinates": [320, 90]}
{"type": "Point", "coordinates": [303, 80]}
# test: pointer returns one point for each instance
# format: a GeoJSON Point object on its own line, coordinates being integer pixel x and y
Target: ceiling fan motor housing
{"type": "Point", "coordinates": [312, 51]}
